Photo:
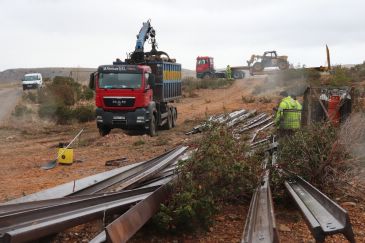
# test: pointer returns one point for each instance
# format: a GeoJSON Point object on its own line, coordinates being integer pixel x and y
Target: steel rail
{"type": "Point", "coordinates": [255, 119]}
{"type": "Point", "coordinates": [219, 119]}
{"type": "Point", "coordinates": [243, 129]}
{"type": "Point", "coordinates": [124, 227]}
{"type": "Point", "coordinates": [127, 225]}
{"type": "Point", "coordinates": [260, 223]}
{"type": "Point", "coordinates": [54, 206]}
{"type": "Point", "coordinates": [259, 130]}
{"type": "Point", "coordinates": [240, 119]}
{"type": "Point", "coordinates": [136, 174]}
{"type": "Point", "coordinates": [322, 215]}
{"type": "Point", "coordinates": [34, 224]}
{"type": "Point", "coordinates": [70, 187]}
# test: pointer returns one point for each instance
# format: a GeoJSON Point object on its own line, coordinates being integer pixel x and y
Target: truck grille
{"type": "Point", "coordinates": [119, 101]}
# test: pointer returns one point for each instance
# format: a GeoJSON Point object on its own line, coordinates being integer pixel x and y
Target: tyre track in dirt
{"type": "Point", "coordinates": [8, 99]}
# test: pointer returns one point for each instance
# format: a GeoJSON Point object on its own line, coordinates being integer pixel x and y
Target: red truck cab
{"type": "Point", "coordinates": [205, 67]}
{"type": "Point", "coordinates": [136, 96]}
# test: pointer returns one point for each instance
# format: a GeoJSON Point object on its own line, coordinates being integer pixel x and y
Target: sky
{"type": "Point", "coordinates": [89, 33]}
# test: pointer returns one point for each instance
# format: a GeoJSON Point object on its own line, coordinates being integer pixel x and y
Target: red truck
{"type": "Point", "coordinates": [139, 92]}
{"type": "Point", "coordinates": [205, 69]}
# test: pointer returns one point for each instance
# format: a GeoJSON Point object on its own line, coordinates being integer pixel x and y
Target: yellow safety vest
{"type": "Point", "coordinates": [288, 115]}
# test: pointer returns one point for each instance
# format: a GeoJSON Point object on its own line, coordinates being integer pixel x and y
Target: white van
{"type": "Point", "coordinates": [32, 81]}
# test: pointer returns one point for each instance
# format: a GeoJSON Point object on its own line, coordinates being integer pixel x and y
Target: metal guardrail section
{"type": "Point", "coordinates": [36, 223]}
{"type": "Point", "coordinates": [32, 220]}
{"type": "Point", "coordinates": [70, 187]}
{"type": "Point", "coordinates": [256, 124]}
{"type": "Point", "coordinates": [129, 223]}
{"type": "Point", "coordinates": [260, 224]}
{"type": "Point", "coordinates": [322, 215]}
{"type": "Point", "coordinates": [124, 227]}
{"type": "Point", "coordinates": [233, 117]}
{"type": "Point", "coordinates": [136, 174]}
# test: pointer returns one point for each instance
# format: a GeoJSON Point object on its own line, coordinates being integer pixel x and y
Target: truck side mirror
{"type": "Point", "coordinates": [92, 81]}
{"type": "Point", "coordinates": [151, 80]}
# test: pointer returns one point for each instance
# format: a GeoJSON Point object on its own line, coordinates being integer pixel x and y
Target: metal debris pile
{"type": "Point", "coordinates": [241, 122]}
{"type": "Point", "coordinates": [323, 216]}
{"type": "Point", "coordinates": [38, 215]}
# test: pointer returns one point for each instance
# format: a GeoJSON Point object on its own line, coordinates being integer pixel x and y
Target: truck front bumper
{"type": "Point", "coordinates": [30, 86]}
{"type": "Point", "coordinates": [122, 119]}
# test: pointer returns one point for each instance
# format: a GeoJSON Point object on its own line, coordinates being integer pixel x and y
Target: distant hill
{"type": "Point", "coordinates": [79, 74]}
{"type": "Point", "coordinates": [15, 75]}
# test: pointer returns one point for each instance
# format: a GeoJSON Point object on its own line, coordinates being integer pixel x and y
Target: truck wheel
{"type": "Point", "coordinates": [207, 76]}
{"type": "Point", "coordinates": [283, 65]}
{"type": "Point", "coordinates": [103, 130]}
{"type": "Point", "coordinates": [168, 124]}
{"type": "Point", "coordinates": [174, 116]}
{"type": "Point", "coordinates": [152, 128]}
{"type": "Point", "coordinates": [258, 67]}
{"type": "Point", "coordinates": [238, 75]}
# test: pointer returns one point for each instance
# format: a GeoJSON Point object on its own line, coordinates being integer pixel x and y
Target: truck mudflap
{"type": "Point", "coordinates": [122, 119]}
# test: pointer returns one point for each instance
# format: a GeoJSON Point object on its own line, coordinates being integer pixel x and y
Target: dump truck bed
{"type": "Point", "coordinates": [167, 82]}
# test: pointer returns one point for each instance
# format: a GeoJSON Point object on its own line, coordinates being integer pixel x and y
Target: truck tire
{"type": "Point", "coordinates": [152, 126]}
{"type": "Point", "coordinates": [104, 130]}
{"type": "Point", "coordinates": [258, 67]}
{"type": "Point", "coordinates": [168, 124]}
{"type": "Point", "coordinates": [283, 65]}
{"type": "Point", "coordinates": [207, 76]}
{"type": "Point", "coordinates": [238, 75]}
{"type": "Point", "coordinates": [174, 116]}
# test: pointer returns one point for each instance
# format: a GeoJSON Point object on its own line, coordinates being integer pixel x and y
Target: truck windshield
{"type": "Point", "coordinates": [120, 80]}
{"type": "Point", "coordinates": [30, 78]}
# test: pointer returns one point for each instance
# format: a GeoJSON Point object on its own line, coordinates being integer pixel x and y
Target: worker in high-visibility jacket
{"type": "Point", "coordinates": [228, 72]}
{"type": "Point", "coordinates": [288, 114]}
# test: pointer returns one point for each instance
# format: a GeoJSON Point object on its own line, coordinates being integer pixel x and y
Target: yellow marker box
{"type": "Point", "coordinates": [67, 157]}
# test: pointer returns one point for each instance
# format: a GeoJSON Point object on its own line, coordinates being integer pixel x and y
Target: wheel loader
{"type": "Point", "coordinates": [269, 59]}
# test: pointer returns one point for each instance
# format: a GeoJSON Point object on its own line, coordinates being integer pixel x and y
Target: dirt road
{"type": "Point", "coordinates": [8, 99]}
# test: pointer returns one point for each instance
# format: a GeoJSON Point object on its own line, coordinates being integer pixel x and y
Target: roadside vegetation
{"type": "Point", "coordinates": [323, 155]}
{"type": "Point", "coordinates": [63, 100]}
{"type": "Point", "coordinates": [190, 84]}
{"type": "Point", "coordinates": [218, 173]}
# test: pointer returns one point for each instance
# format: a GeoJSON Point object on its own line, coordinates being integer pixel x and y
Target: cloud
{"type": "Point", "coordinates": [89, 32]}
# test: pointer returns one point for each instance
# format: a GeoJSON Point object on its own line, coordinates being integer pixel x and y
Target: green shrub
{"type": "Point", "coordinates": [189, 84]}
{"type": "Point", "coordinates": [63, 94]}
{"type": "Point", "coordinates": [47, 110]}
{"type": "Point", "coordinates": [87, 93]}
{"type": "Point", "coordinates": [64, 114]}
{"type": "Point", "coordinates": [58, 112]}
{"type": "Point", "coordinates": [21, 110]}
{"type": "Point", "coordinates": [85, 113]}
{"type": "Point", "coordinates": [217, 173]}
{"type": "Point", "coordinates": [340, 77]}
{"type": "Point", "coordinates": [31, 96]}
{"type": "Point", "coordinates": [314, 153]}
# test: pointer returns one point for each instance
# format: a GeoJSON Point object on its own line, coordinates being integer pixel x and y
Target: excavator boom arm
{"type": "Point", "coordinates": [146, 32]}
